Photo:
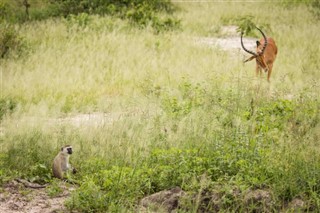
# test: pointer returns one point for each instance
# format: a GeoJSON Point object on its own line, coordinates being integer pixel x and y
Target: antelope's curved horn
{"type": "Point", "coordinates": [265, 42]}
{"type": "Point", "coordinates": [245, 49]}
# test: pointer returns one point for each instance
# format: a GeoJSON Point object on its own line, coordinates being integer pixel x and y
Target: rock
{"type": "Point", "coordinates": [258, 200]}
{"type": "Point", "coordinates": [163, 201]}
{"type": "Point", "coordinates": [297, 205]}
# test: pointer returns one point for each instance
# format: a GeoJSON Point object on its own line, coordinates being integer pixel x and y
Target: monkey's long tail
{"type": "Point", "coordinates": [28, 184]}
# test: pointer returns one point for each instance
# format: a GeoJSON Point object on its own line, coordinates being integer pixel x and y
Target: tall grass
{"type": "Point", "coordinates": [184, 109]}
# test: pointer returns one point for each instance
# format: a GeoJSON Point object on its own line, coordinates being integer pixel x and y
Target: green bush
{"type": "Point", "coordinates": [11, 43]}
{"type": "Point", "coordinates": [88, 198]}
{"type": "Point", "coordinates": [247, 24]}
{"type": "Point", "coordinates": [315, 8]}
{"type": "Point", "coordinates": [77, 22]}
{"type": "Point", "coordinates": [188, 97]}
{"type": "Point", "coordinates": [139, 12]}
{"type": "Point", "coordinates": [29, 156]}
{"type": "Point", "coordinates": [4, 10]}
{"type": "Point", "coordinates": [7, 106]}
{"type": "Point", "coordinates": [142, 13]}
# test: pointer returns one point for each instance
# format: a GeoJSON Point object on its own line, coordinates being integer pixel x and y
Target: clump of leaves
{"type": "Point", "coordinates": [315, 8]}
{"type": "Point", "coordinates": [29, 155]}
{"type": "Point", "coordinates": [54, 188]}
{"type": "Point", "coordinates": [40, 173]}
{"type": "Point", "coordinates": [7, 106]}
{"type": "Point", "coordinates": [78, 21]}
{"type": "Point", "coordinates": [247, 25]}
{"type": "Point", "coordinates": [88, 198]}
{"type": "Point", "coordinates": [11, 43]}
{"type": "Point", "coordinates": [140, 13]}
{"type": "Point", "coordinates": [190, 96]}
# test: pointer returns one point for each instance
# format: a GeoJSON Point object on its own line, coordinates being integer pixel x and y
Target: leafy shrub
{"type": "Point", "coordinates": [54, 189]}
{"type": "Point", "coordinates": [283, 115]}
{"type": "Point", "coordinates": [275, 115]}
{"type": "Point", "coordinates": [107, 189]}
{"type": "Point", "coordinates": [315, 8]}
{"type": "Point", "coordinates": [165, 24]}
{"type": "Point", "coordinates": [7, 106]}
{"type": "Point", "coordinates": [88, 198]}
{"type": "Point", "coordinates": [11, 43]}
{"type": "Point", "coordinates": [125, 185]}
{"type": "Point", "coordinates": [141, 13]}
{"type": "Point", "coordinates": [314, 5]}
{"type": "Point", "coordinates": [247, 25]}
{"type": "Point", "coordinates": [28, 155]}
{"type": "Point", "coordinates": [4, 10]}
{"type": "Point", "coordinates": [78, 21]}
{"type": "Point", "coordinates": [40, 173]}
{"type": "Point", "coordinates": [189, 97]}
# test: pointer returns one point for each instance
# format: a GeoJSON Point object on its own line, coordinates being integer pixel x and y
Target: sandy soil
{"type": "Point", "coordinates": [15, 198]}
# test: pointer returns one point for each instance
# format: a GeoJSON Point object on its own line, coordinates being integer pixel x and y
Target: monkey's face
{"type": "Point", "coordinates": [67, 149]}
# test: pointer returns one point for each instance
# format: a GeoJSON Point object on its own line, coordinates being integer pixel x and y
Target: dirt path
{"type": "Point", "coordinates": [15, 198]}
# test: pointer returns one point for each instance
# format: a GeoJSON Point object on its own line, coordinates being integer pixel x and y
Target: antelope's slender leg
{"type": "Point", "coordinates": [270, 65]}
{"type": "Point", "coordinates": [258, 70]}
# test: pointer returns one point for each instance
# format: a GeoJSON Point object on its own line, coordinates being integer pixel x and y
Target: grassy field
{"type": "Point", "coordinates": [176, 113]}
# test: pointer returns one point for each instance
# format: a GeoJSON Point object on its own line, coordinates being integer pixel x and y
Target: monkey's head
{"type": "Point", "coordinates": [67, 149]}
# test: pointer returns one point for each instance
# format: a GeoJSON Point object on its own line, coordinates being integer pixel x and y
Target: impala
{"type": "Point", "coordinates": [265, 55]}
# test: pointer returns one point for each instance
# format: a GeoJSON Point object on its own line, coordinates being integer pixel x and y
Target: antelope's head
{"type": "Point", "coordinates": [259, 54]}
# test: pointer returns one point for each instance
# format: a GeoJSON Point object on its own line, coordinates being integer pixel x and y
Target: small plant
{"type": "Point", "coordinates": [78, 21]}
{"type": "Point", "coordinates": [88, 198]}
{"type": "Point", "coordinates": [40, 173]}
{"type": "Point", "coordinates": [246, 25]}
{"type": "Point", "coordinates": [315, 8]}
{"type": "Point", "coordinates": [189, 97]}
{"type": "Point", "coordinates": [11, 43]}
{"type": "Point", "coordinates": [4, 10]}
{"type": "Point", "coordinates": [54, 189]}
{"type": "Point", "coordinates": [7, 106]}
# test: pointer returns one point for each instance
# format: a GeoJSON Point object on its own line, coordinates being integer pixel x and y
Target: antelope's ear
{"type": "Point", "coordinates": [258, 43]}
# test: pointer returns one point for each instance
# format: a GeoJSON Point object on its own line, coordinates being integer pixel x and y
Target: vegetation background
{"type": "Point", "coordinates": [170, 112]}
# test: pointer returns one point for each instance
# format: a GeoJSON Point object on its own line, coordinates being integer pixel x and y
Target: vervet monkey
{"type": "Point", "coordinates": [61, 163]}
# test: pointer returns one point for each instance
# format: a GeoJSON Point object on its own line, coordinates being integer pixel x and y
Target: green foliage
{"type": "Point", "coordinates": [314, 5]}
{"type": "Point", "coordinates": [247, 25]}
{"type": "Point", "coordinates": [88, 198]}
{"type": "Point", "coordinates": [7, 106]}
{"type": "Point", "coordinates": [315, 8]}
{"type": "Point", "coordinates": [79, 21]}
{"type": "Point", "coordinates": [156, 13]}
{"type": "Point", "coordinates": [123, 185]}
{"type": "Point", "coordinates": [11, 43]}
{"type": "Point", "coordinates": [4, 10]}
{"type": "Point", "coordinates": [40, 173]}
{"type": "Point", "coordinates": [275, 115]}
{"type": "Point", "coordinates": [29, 156]}
{"type": "Point", "coordinates": [54, 189]}
{"type": "Point", "coordinates": [282, 115]}
{"type": "Point", "coordinates": [189, 97]}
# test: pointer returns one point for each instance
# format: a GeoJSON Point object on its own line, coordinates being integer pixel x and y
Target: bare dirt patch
{"type": "Point", "coordinates": [15, 198]}
{"type": "Point", "coordinates": [229, 41]}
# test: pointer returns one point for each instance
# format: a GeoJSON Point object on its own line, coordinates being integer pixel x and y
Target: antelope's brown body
{"type": "Point", "coordinates": [265, 55]}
